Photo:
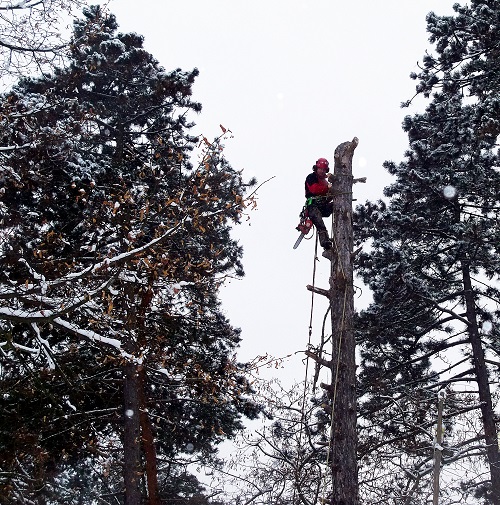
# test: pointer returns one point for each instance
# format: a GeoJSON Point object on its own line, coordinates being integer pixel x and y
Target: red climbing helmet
{"type": "Point", "coordinates": [322, 163]}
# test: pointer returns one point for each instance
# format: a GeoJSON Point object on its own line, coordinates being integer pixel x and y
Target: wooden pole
{"type": "Point", "coordinates": [438, 449]}
{"type": "Point", "coordinates": [342, 454]}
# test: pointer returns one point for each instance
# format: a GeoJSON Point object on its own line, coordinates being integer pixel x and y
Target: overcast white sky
{"type": "Point", "coordinates": [292, 79]}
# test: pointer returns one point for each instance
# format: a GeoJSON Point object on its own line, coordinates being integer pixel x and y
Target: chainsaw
{"type": "Point", "coordinates": [304, 227]}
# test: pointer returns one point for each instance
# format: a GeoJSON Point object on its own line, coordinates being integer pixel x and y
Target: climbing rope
{"type": "Point", "coordinates": [304, 393]}
{"type": "Point", "coordinates": [312, 292]}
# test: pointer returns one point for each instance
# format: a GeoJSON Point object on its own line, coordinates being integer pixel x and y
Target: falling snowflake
{"type": "Point", "coordinates": [487, 326]}
{"type": "Point", "coordinates": [449, 192]}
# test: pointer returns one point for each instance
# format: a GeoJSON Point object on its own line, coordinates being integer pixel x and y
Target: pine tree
{"type": "Point", "coordinates": [434, 265]}
{"type": "Point", "coordinates": [114, 249]}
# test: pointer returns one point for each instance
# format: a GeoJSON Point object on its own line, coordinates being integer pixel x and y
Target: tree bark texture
{"type": "Point", "coordinates": [132, 464]}
{"type": "Point", "coordinates": [147, 440]}
{"type": "Point", "coordinates": [438, 451]}
{"type": "Point", "coordinates": [487, 412]}
{"type": "Point", "coordinates": [343, 457]}
{"type": "Point", "coordinates": [148, 443]}
{"type": "Point", "coordinates": [131, 437]}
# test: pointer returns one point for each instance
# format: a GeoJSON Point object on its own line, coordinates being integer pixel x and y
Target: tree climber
{"type": "Point", "coordinates": [319, 199]}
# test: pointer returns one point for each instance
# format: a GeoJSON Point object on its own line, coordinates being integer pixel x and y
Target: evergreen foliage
{"type": "Point", "coordinates": [434, 268]}
{"type": "Point", "coordinates": [113, 249]}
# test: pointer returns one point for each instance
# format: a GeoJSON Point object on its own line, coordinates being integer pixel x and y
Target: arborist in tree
{"type": "Point", "coordinates": [319, 200]}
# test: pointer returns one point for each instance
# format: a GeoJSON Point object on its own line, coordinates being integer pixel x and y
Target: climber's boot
{"type": "Point", "coordinates": [324, 241]}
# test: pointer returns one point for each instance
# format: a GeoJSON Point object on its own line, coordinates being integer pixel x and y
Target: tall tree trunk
{"type": "Point", "coordinates": [132, 469]}
{"type": "Point", "coordinates": [131, 437]}
{"type": "Point", "coordinates": [344, 467]}
{"type": "Point", "coordinates": [342, 389]}
{"type": "Point", "coordinates": [487, 412]}
{"type": "Point", "coordinates": [148, 443]}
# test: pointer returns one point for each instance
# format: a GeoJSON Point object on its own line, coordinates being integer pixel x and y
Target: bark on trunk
{"type": "Point", "coordinates": [148, 444]}
{"type": "Point", "coordinates": [131, 437]}
{"type": "Point", "coordinates": [344, 467]}
{"type": "Point", "coordinates": [487, 412]}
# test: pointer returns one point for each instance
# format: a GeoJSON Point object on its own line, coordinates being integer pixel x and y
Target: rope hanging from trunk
{"type": "Point", "coordinates": [304, 394]}
{"type": "Point", "coordinates": [331, 440]}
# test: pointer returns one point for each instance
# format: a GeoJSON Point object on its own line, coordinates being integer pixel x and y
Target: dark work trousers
{"type": "Point", "coordinates": [317, 210]}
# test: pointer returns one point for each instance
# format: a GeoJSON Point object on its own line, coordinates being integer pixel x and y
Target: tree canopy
{"type": "Point", "coordinates": [433, 266]}
{"type": "Point", "coordinates": [114, 246]}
